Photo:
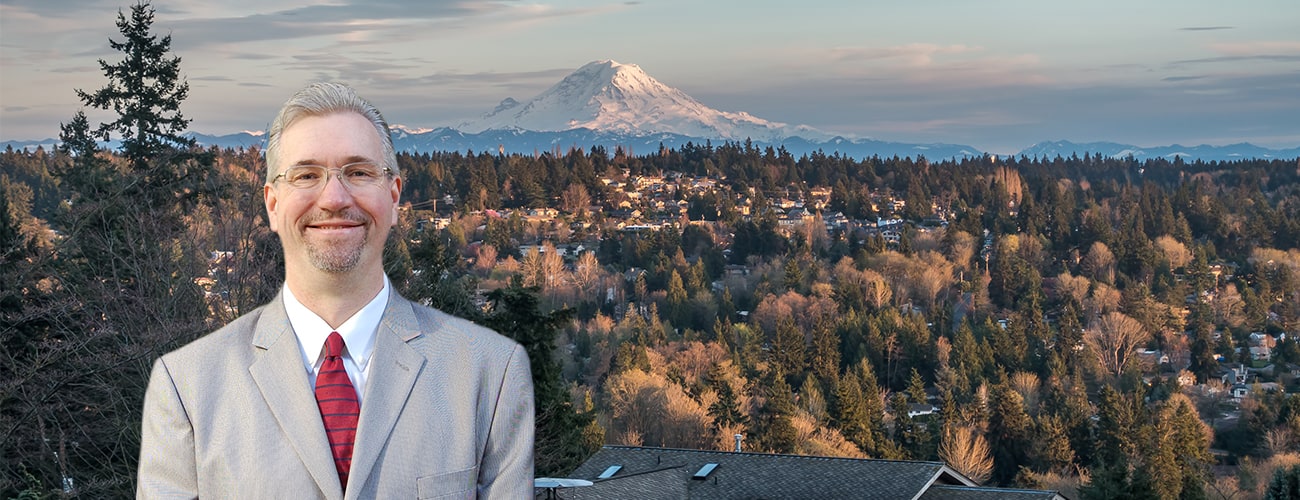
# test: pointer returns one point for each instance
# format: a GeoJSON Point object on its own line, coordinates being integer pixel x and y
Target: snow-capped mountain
{"type": "Point", "coordinates": [614, 105]}
{"type": "Point", "coordinates": [610, 97]}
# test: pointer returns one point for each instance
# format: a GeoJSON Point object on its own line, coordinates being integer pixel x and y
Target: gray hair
{"type": "Point", "coordinates": [320, 99]}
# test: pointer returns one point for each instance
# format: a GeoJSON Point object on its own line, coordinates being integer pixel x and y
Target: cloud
{"type": "Point", "coordinates": [350, 20]}
{"type": "Point", "coordinates": [1207, 28]}
{"type": "Point", "coordinates": [1181, 78]}
{"type": "Point", "coordinates": [1275, 51]}
{"type": "Point", "coordinates": [69, 9]}
{"type": "Point", "coordinates": [915, 54]}
{"type": "Point", "coordinates": [1256, 49]}
{"type": "Point", "coordinates": [1261, 57]}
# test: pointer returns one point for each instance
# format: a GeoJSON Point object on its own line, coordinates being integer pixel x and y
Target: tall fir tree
{"type": "Point", "coordinates": [126, 269]}
{"type": "Point", "coordinates": [1010, 433]}
{"type": "Point", "coordinates": [851, 413]}
{"type": "Point", "coordinates": [726, 410]}
{"type": "Point", "coordinates": [145, 90]}
{"type": "Point", "coordinates": [565, 435]}
{"type": "Point", "coordinates": [779, 433]}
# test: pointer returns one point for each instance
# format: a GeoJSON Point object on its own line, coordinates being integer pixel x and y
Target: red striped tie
{"type": "Point", "coordinates": [338, 404]}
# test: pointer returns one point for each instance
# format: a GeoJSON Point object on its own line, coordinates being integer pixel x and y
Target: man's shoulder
{"type": "Point", "coordinates": [435, 322]}
{"type": "Point", "coordinates": [220, 342]}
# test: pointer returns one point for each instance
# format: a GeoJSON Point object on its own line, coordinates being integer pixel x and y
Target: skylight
{"type": "Point", "coordinates": [613, 469]}
{"type": "Point", "coordinates": [705, 471]}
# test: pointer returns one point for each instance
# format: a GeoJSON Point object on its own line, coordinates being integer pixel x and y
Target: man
{"type": "Point", "coordinates": [338, 388]}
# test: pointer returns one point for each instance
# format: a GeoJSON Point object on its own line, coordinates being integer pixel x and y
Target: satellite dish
{"type": "Point", "coordinates": [553, 483]}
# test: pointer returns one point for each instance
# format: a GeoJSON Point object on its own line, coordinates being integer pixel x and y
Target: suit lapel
{"type": "Point", "coordinates": [394, 367]}
{"type": "Point", "coordinates": [280, 376]}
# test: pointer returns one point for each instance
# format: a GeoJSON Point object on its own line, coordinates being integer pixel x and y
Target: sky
{"type": "Point", "coordinates": [999, 75]}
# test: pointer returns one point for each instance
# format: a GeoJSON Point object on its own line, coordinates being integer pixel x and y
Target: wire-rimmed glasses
{"type": "Point", "coordinates": [362, 174]}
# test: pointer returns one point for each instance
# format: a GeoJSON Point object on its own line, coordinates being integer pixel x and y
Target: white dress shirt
{"type": "Point", "coordinates": [358, 334]}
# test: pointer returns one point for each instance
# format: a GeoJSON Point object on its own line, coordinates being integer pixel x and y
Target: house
{"type": "Point", "coordinates": [667, 473]}
{"type": "Point", "coordinates": [921, 409]}
{"type": "Point", "coordinates": [1237, 375]}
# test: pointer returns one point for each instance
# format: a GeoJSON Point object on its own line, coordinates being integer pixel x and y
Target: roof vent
{"type": "Point", "coordinates": [613, 469]}
{"type": "Point", "coordinates": [704, 472]}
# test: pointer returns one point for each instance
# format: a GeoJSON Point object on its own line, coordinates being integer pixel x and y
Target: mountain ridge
{"type": "Point", "coordinates": [611, 104]}
{"type": "Point", "coordinates": [529, 142]}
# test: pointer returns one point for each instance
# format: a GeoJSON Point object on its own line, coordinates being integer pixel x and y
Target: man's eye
{"type": "Point", "coordinates": [362, 174]}
{"type": "Point", "coordinates": [303, 176]}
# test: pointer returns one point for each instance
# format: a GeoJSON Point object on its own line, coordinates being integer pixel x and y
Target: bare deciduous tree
{"type": "Point", "coordinates": [1112, 338]}
{"type": "Point", "coordinates": [1228, 307]}
{"type": "Point", "coordinates": [485, 258]}
{"type": "Point", "coordinates": [878, 292]}
{"type": "Point", "coordinates": [586, 272]}
{"type": "Point", "coordinates": [575, 199]}
{"type": "Point", "coordinates": [967, 451]}
{"type": "Point", "coordinates": [1027, 384]}
{"type": "Point", "coordinates": [1174, 250]}
{"type": "Point", "coordinates": [1068, 285]}
{"type": "Point", "coordinates": [961, 249]}
{"type": "Point", "coordinates": [1099, 264]}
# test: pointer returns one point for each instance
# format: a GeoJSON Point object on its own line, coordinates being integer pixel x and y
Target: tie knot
{"type": "Point", "coordinates": [334, 345]}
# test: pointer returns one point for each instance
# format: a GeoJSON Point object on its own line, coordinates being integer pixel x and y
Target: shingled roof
{"type": "Point", "coordinates": [667, 473]}
{"type": "Point", "coordinates": [945, 492]}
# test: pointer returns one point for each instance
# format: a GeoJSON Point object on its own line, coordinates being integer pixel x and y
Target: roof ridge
{"type": "Point", "coordinates": [786, 455]}
{"type": "Point", "coordinates": [999, 488]}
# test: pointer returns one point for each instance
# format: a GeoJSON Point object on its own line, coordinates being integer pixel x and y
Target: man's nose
{"type": "Point", "coordinates": [335, 192]}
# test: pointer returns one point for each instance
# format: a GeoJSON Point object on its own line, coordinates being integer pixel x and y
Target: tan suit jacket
{"type": "Point", "coordinates": [448, 413]}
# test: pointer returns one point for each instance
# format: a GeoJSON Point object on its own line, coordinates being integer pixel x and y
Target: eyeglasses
{"type": "Point", "coordinates": [362, 174]}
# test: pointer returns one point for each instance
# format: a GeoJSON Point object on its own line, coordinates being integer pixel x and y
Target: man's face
{"type": "Point", "coordinates": [334, 228]}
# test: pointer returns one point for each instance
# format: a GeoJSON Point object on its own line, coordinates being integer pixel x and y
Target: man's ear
{"type": "Point", "coordinates": [272, 202]}
{"type": "Point", "coordinates": [397, 198]}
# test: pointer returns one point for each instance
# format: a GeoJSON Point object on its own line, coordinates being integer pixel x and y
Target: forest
{"type": "Point", "coordinates": [1068, 328]}
{"type": "Point", "coordinates": [1105, 327]}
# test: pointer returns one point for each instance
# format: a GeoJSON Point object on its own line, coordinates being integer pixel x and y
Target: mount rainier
{"type": "Point", "coordinates": [613, 105]}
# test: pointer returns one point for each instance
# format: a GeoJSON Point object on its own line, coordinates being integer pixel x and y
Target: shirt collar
{"type": "Point", "coordinates": [358, 331]}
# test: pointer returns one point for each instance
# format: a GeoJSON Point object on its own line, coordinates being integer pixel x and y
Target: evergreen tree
{"type": "Point", "coordinates": [145, 90]}
{"type": "Point", "coordinates": [825, 355]}
{"type": "Point", "coordinates": [562, 431]}
{"type": "Point", "coordinates": [677, 300]}
{"type": "Point", "coordinates": [1010, 433]}
{"type": "Point", "coordinates": [1203, 363]}
{"type": "Point", "coordinates": [1117, 419]}
{"type": "Point", "coordinates": [916, 388]}
{"type": "Point", "coordinates": [851, 413]}
{"type": "Point", "coordinates": [1190, 444]}
{"type": "Point", "coordinates": [788, 347]}
{"type": "Point", "coordinates": [812, 399]}
{"type": "Point", "coordinates": [1285, 484]}
{"type": "Point", "coordinates": [779, 434]}
{"type": "Point", "coordinates": [726, 411]}
{"type": "Point", "coordinates": [793, 275]}
{"type": "Point", "coordinates": [1053, 450]}
{"type": "Point", "coordinates": [122, 289]}
{"type": "Point", "coordinates": [906, 434]}
{"type": "Point", "coordinates": [874, 408]}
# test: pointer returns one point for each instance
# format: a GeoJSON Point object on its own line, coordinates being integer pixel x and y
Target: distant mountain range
{"type": "Point", "coordinates": [1203, 152]}
{"type": "Point", "coordinates": [614, 105]}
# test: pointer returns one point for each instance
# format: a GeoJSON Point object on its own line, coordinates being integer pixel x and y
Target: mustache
{"type": "Point", "coordinates": [349, 214]}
